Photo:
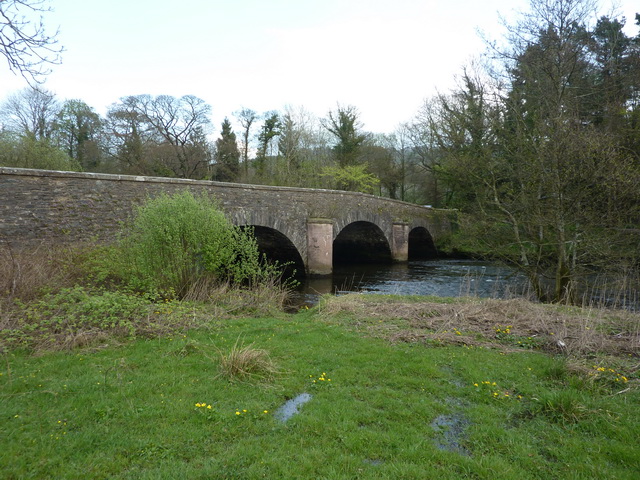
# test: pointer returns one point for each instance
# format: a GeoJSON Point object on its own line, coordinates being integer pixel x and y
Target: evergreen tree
{"type": "Point", "coordinates": [227, 155]}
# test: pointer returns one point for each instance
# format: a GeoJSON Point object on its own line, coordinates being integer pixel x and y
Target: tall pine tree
{"type": "Point", "coordinates": [227, 155]}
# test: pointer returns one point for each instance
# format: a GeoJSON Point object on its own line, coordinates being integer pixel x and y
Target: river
{"type": "Point", "coordinates": [443, 278]}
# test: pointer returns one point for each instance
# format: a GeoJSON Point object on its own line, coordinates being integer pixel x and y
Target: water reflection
{"type": "Point", "coordinates": [444, 278]}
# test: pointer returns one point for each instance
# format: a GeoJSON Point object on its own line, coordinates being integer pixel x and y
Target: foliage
{"type": "Point", "coordinates": [345, 126]}
{"type": "Point", "coordinates": [227, 155]}
{"type": "Point", "coordinates": [29, 152]}
{"type": "Point", "coordinates": [175, 242]}
{"type": "Point", "coordinates": [76, 308]}
{"type": "Point", "coordinates": [539, 157]}
{"type": "Point", "coordinates": [77, 130]}
{"type": "Point", "coordinates": [353, 178]}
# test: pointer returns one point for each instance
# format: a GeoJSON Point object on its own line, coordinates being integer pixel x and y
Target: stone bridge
{"type": "Point", "coordinates": [311, 228]}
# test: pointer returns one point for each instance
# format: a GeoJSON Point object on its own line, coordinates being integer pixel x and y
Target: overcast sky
{"type": "Point", "coordinates": [382, 56]}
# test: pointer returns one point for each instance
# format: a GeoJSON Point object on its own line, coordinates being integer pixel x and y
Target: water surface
{"type": "Point", "coordinates": [443, 278]}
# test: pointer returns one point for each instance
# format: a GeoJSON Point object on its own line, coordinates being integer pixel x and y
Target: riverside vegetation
{"type": "Point", "coordinates": [114, 368]}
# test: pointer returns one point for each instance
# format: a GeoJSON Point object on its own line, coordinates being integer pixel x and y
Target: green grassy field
{"type": "Point", "coordinates": [382, 406]}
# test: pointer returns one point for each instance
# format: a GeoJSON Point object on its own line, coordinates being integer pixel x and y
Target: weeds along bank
{"type": "Point", "coordinates": [176, 250]}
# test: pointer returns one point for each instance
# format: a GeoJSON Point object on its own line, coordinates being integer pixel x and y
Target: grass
{"type": "Point", "coordinates": [245, 362]}
{"type": "Point", "coordinates": [140, 408]}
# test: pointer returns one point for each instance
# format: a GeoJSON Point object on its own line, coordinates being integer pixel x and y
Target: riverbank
{"type": "Point", "coordinates": [399, 387]}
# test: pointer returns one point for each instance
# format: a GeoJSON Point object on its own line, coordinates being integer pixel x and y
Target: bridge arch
{"type": "Point", "coordinates": [276, 247]}
{"type": "Point", "coordinates": [421, 245]}
{"type": "Point", "coordinates": [361, 242]}
{"type": "Point", "coordinates": [280, 240]}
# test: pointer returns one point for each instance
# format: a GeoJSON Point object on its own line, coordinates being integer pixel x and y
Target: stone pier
{"type": "Point", "coordinates": [319, 247]}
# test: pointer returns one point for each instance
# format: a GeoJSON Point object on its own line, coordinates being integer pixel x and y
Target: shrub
{"type": "Point", "coordinates": [176, 242]}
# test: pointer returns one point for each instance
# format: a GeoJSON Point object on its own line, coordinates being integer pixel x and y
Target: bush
{"type": "Point", "coordinates": [27, 152]}
{"type": "Point", "coordinates": [176, 243]}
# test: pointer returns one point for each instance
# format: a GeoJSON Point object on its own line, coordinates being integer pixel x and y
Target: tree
{"type": "Point", "coordinates": [290, 143]}
{"type": "Point", "coordinates": [353, 178]}
{"type": "Point", "coordinates": [25, 43]}
{"type": "Point", "coordinates": [423, 133]}
{"type": "Point", "coordinates": [130, 138]}
{"type": "Point", "coordinates": [30, 112]}
{"type": "Point", "coordinates": [227, 155]}
{"type": "Point", "coordinates": [345, 126]}
{"type": "Point", "coordinates": [549, 189]}
{"type": "Point", "coordinates": [616, 72]}
{"type": "Point", "coordinates": [548, 139]}
{"type": "Point", "coordinates": [168, 134]}
{"type": "Point", "coordinates": [302, 151]}
{"type": "Point", "coordinates": [24, 151]}
{"type": "Point", "coordinates": [399, 144]}
{"type": "Point", "coordinates": [77, 129]}
{"type": "Point", "coordinates": [269, 130]}
{"type": "Point", "coordinates": [246, 117]}
{"type": "Point", "coordinates": [381, 163]}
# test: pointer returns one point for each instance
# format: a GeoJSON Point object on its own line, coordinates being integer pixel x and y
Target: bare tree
{"type": "Point", "coordinates": [129, 137]}
{"type": "Point", "coordinates": [181, 124]}
{"type": "Point", "coordinates": [24, 41]}
{"type": "Point", "coordinates": [289, 142]}
{"type": "Point", "coordinates": [162, 135]}
{"type": "Point", "coordinates": [30, 112]}
{"type": "Point", "coordinates": [246, 117]}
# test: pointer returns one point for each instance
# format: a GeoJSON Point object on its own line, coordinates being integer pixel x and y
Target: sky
{"type": "Point", "coordinates": [384, 57]}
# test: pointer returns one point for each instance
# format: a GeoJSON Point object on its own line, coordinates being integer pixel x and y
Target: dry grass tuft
{"type": "Point", "coordinates": [552, 328]}
{"type": "Point", "coordinates": [245, 363]}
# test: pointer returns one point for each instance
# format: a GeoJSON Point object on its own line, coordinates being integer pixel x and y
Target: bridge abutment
{"type": "Point", "coordinates": [319, 247]}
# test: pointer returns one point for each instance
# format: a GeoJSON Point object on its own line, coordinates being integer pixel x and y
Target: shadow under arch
{"type": "Point", "coordinates": [361, 242]}
{"type": "Point", "coordinates": [277, 247]}
{"type": "Point", "coordinates": [421, 246]}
